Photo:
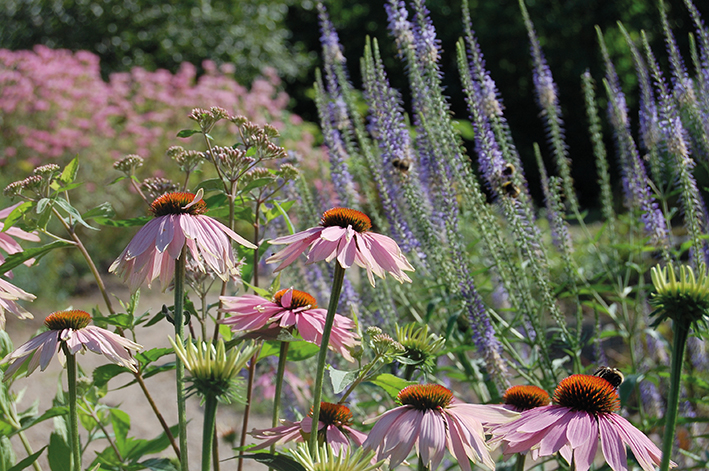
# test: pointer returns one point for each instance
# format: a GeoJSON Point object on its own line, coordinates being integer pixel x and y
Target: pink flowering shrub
{"type": "Point", "coordinates": [54, 105]}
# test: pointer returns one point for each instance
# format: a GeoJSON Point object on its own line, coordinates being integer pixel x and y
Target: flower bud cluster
{"type": "Point", "coordinates": [158, 186]}
{"type": "Point", "coordinates": [129, 164]}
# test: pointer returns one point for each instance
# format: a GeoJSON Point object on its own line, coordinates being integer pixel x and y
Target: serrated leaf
{"type": "Point", "coordinates": [72, 212]}
{"type": "Point", "coordinates": [17, 214]}
{"type": "Point", "coordinates": [340, 379]}
{"type": "Point", "coordinates": [153, 354]}
{"type": "Point", "coordinates": [211, 184]}
{"type": "Point", "coordinates": [277, 462]}
{"type": "Point", "coordinates": [158, 464]}
{"type": "Point", "coordinates": [390, 383]}
{"type": "Point", "coordinates": [55, 411]}
{"type": "Point", "coordinates": [7, 454]}
{"type": "Point", "coordinates": [70, 171]}
{"type": "Point", "coordinates": [188, 132]}
{"type": "Point", "coordinates": [103, 374]}
{"type": "Point", "coordinates": [59, 453]}
{"type": "Point", "coordinates": [141, 448]}
{"type": "Point", "coordinates": [28, 461]}
{"type": "Point", "coordinates": [120, 421]}
{"type": "Point", "coordinates": [35, 252]}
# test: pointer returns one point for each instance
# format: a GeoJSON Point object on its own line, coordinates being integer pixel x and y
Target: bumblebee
{"type": "Point", "coordinates": [612, 375]}
{"type": "Point", "coordinates": [508, 171]}
{"type": "Point", "coordinates": [509, 189]}
{"type": "Point", "coordinates": [403, 165]}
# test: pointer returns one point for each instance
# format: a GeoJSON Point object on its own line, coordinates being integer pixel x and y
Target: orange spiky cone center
{"type": "Point", "coordinates": [587, 393]}
{"type": "Point", "coordinates": [300, 299]}
{"type": "Point", "coordinates": [334, 414]}
{"type": "Point", "coordinates": [61, 320]}
{"type": "Point", "coordinates": [425, 396]}
{"type": "Point", "coordinates": [344, 217]}
{"type": "Point", "coordinates": [175, 203]}
{"type": "Point", "coordinates": [526, 397]}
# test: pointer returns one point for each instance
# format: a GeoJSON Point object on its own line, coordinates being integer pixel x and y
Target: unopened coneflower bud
{"type": "Point", "coordinates": [214, 372]}
{"type": "Point", "coordinates": [128, 164]}
{"type": "Point", "coordinates": [421, 347]}
{"type": "Point", "coordinates": [684, 300]}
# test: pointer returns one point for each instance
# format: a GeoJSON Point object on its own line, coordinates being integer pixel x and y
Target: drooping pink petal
{"type": "Point", "coordinates": [612, 445]}
{"type": "Point", "coordinates": [431, 442]}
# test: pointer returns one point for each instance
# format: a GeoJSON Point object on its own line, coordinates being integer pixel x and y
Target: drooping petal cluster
{"type": "Point", "coordinates": [433, 420]}
{"type": "Point", "coordinates": [9, 294]}
{"type": "Point", "coordinates": [70, 328]}
{"type": "Point", "coordinates": [345, 234]}
{"type": "Point", "coordinates": [7, 238]}
{"type": "Point", "coordinates": [290, 308]}
{"type": "Point", "coordinates": [179, 222]}
{"type": "Point", "coordinates": [583, 412]}
{"type": "Point", "coordinates": [333, 423]}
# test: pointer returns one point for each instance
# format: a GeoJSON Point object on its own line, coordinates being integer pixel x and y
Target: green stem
{"type": "Point", "coordinates": [279, 381]}
{"type": "Point", "coordinates": [179, 366]}
{"type": "Point", "coordinates": [73, 413]}
{"type": "Point", "coordinates": [210, 417]}
{"type": "Point", "coordinates": [421, 466]}
{"type": "Point", "coordinates": [247, 407]}
{"type": "Point", "coordinates": [337, 281]}
{"type": "Point", "coordinates": [681, 332]}
{"type": "Point", "coordinates": [519, 464]}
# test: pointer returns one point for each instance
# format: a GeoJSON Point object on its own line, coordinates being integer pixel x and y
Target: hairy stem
{"type": "Point", "coordinates": [73, 413]}
{"type": "Point", "coordinates": [337, 281]}
{"type": "Point", "coordinates": [179, 365]}
{"type": "Point", "coordinates": [681, 332]}
{"type": "Point", "coordinates": [210, 417]}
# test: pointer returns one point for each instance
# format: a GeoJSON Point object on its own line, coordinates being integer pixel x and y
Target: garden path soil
{"type": "Point", "coordinates": [42, 387]}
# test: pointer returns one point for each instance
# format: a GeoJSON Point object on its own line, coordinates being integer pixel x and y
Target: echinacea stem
{"type": "Point", "coordinates": [279, 381]}
{"type": "Point", "coordinates": [73, 414]}
{"type": "Point", "coordinates": [681, 332]}
{"type": "Point", "coordinates": [337, 281]}
{"type": "Point", "coordinates": [519, 464]}
{"type": "Point", "coordinates": [179, 365]}
{"type": "Point", "coordinates": [210, 417]}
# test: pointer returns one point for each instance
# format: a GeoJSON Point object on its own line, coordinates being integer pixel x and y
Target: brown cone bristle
{"type": "Point", "coordinates": [425, 396]}
{"type": "Point", "coordinates": [174, 203]}
{"type": "Point", "coordinates": [300, 299]}
{"type": "Point", "coordinates": [526, 397]}
{"type": "Point", "coordinates": [587, 393]}
{"type": "Point", "coordinates": [61, 320]}
{"type": "Point", "coordinates": [334, 414]}
{"type": "Point", "coordinates": [344, 217]}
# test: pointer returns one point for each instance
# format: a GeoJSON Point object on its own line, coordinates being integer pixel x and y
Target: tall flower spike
{"type": "Point", "coordinates": [179, 221]}
{"type": "Point", "coordinates": [345, 234]}
{"type": "Point", "coordinates": [71, 328]}
{"type": "Point", "coordinates": [584, 411]}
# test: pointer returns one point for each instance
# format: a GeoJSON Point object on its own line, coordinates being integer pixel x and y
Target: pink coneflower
{"type": "Point", "coordinates": [70, 328]}
{"type": "Point", "coordinates": [7, 238]}
{"type": "Point", "coordinates": [345, 234]}
{"type": "Point", "coordinates": [179, 221]}
{"type": "Point", "coordinates": [334, 426]}
{"type": "Point", "coordinates": [584, 410]}
{"type": "Point", "coordinates": [432, 419]}
{"type": "Point", "coordinates": [10, 293]}
{"type": "Point", "coordinates": [289, 308]}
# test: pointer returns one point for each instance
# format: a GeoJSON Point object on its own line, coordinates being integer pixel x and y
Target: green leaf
{"type": "Point", "coordinates": [125, 321]}
{"type": "Point", "coordinates": [17, 214]}
{"type": "Point", "coordinates": [120, 421]}
{"type": "Point", "coordinates": [55, 411]}
{"type": "Point", "coordinates": [159, 464]}
{"type": "Point", "coordinates": [390, 383]}
{"type": "Point", "coordinates": [212, 184]}
{"type": "Point", "coordinates": [277, 462]}
{"type": "Point", "coordinates": [277, 210]}
{"type": "Point", "coordinates": [28, 461]}
{"type": "Point", "coordinates": [341, 379]}
{"type": "Point", "coordinates": [72, 212]}
{"type": "Point", "coordinates": [70, 171]}
{"type": "Point", "coordinates": [188, 132]}
{"type": "Point", "coordinates": [59, 453]}
{"type": "Point", "coordinates": [153, 354]}
{"type": "Point", "coordinates": [282, 210]}
{"type": "Point", "coordinates": [156, 445]}
{"type": "Point", "coordinates": [7, 455]}
{"type": "Point", "coordinates": [104, 210]}
{"type": "Point", "coordinates": [140, 221]}
{"type": "Point", "coordinates": [103, 374]}
{"type": "Point", "coordinates": [43, 205]}
{"type": "Point", "coordinates": [35, 252]}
